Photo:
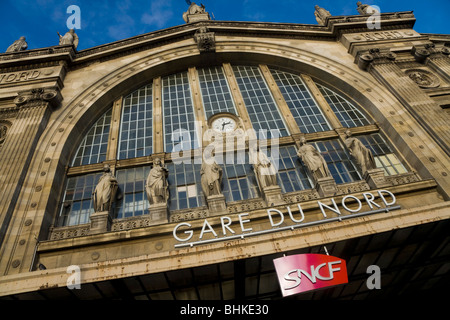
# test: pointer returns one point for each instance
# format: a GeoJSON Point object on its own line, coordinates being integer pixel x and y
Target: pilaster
{"type": "Point", "coordinates": [34, 110]}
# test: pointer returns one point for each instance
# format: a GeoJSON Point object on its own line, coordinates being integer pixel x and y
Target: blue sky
{"type": "Point", "coordinates": [104, 21]}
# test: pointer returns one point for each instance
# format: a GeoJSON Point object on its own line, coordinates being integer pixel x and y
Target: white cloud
{"type": "Point", "coordinates": [160, 13]}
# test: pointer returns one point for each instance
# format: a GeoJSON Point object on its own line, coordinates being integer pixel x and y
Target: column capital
{"type": "Point", "coordinates": [37, 97]}
{"type": "Point", "coordinates": [430, 51]}
{"type": "Point", "coordinates": [374, 56]}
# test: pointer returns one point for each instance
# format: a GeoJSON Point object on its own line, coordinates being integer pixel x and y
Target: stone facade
{"type": "Point", "coordinates": [49, 98]}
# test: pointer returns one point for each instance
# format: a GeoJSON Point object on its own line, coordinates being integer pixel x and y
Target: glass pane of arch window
{"type": "Point", "coordinates": [134, 200]}
{"type": "Point", "coordinates": [77, 207]}
{"type": "Point", "coordinates": [136, 127]}
{"type": "Point", "coordinates": [304, 109]}
{"type": "Point", "coordinates": [346, 112]}
{"type": "Point", "coordinates": [94, 145]}
{"type": "Point", "coordinates": [239, 181]}
{"type": "Point", "coordinates": [179, 118]}
{"type": "Point", "coordinates": [216, 93]}
{"type": "Point", "coordinates": [261, 107]}
{"type": "Point", "coordinates": [338, 160]}
{"type": "Point", "coordinates": [185, 189]}
{"type": "Point", "coordinates": [291, 175]}
{"type": "Point", "coordinates": [383, 154]}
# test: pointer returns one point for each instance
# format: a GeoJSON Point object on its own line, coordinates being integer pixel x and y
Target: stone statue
{"type": "Point", "coordinates": [264, 169]}
{"type": "Point", "coordinates": [192, 10]}
{"type": "Point", "coordinates": [363, 156]}
{"type": "Point", "coordinates": [211, 179]}
{"type": "Point", "coordinates": [313, 160]}
{"type": "Point", "coordinates": [105, 191]}
{"type": "Point", "coordinates": [157, 185]}
{"type": "Point", "coordinates": [69, 38]}
{"type": "Point", "coordinates": [18, 45]}
{"type": "Point", "coordinates": [365, 8]}
{"type": "Point", "coordinates": [321, 14]}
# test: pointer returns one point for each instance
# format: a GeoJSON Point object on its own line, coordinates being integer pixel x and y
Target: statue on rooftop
{"type": "Point", "coordinates": [321, 14]}
{"type": "Point", "coordinates": [365, 8]}
{"type": "Point", "coordinates": [195, 10]}
{"type": "Point", "coordinates": [18, 45]}
{"type": "Point", "coordinates": [69, 38]}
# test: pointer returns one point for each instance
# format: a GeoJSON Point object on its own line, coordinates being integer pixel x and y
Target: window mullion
{"type": "Point", "coordinates": [279, 101]}
{"type": "Point", "coordinates": [237, 96]}
{"type": "Point", "coordinates": [158, 119]}
{"type": "Point", "coordinates": [114, 130]}
{"type": "Point", "coordinates": [197, 104]}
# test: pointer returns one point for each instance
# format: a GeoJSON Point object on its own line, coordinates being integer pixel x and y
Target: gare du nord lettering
{"type": "Point", "coordinates": [19, 76]}
{"type": "Point", "coordinates": [350, 206]}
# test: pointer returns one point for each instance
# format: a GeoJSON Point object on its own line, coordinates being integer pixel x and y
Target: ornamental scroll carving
{"type": "Point", "coordinates": [375, 56]}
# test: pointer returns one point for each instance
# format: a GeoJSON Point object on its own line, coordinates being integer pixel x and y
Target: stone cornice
{"type": "Point", "coordinates": [334, 28]}
{"type": "Point", "coordinates": [37, 56]}
{"type": "Point", "coordinates": [339, 25]}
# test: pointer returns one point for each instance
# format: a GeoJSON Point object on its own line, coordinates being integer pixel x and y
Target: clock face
{"type": "Point", "coordinates": [224, 124]}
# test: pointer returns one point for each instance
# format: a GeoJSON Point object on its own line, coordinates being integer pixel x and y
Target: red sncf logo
{"type": "Point", "coordinates": [305, 272]}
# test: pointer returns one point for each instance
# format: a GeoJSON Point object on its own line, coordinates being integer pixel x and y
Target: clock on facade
{"type": "Point", "coordinates": [224, 124]}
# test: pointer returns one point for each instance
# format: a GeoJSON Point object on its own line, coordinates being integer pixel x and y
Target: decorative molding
{"type": "Point", "coordinates": [59, 233]}
{"type": "Point", "coordinates": [352, 187]}
{"type": "Point", "coordinates": [205, 40]}
{"type": "Point", "coordinates": [403, 178]}
{"type": "Point", "coordinates": [191, 214]}
{"type": "Point", "coordinates": [247, 205]}
{"type": "Point", "coordinates": [423, 78]}
{"type": "Point", "coordinates": [300, 196]}
{"type": "Point", "coordinates": [131, 223]}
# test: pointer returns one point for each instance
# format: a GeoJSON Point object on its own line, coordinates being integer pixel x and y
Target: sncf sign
{"type": "Point", "coordinates": [305, 272]}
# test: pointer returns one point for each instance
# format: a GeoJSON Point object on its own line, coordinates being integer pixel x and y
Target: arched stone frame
{"type": "Point", "coordinates": [42, 189]}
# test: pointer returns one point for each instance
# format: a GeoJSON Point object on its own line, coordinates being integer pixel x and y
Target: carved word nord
{"type": "Point", "coordinates": [381, 35]}
{"type": "Point", "coordinates": [19, 76]}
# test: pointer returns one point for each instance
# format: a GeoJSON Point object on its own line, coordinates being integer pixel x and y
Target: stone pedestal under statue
{"type": "Point", "coordinates": [216, 204]}
{"type": "Point", "coordinates": [100, 222]}
{"type": "Point", "coordinates": [272, 195]}
{"type": "Point", "coordinates": [375, 178]}
{"type": "Point", "coordinates": [198, 17]}
{"type": "Point", "coordinates": [159, 212]}
{"type": "Point", "coordinates": [326, 187]}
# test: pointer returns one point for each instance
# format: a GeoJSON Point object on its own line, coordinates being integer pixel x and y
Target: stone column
{"type": "Point", "coordinates": [439, 61]}
{"type": "Point", "coordinates": [34, 109]}
{"type": "Point", "coordinates": [381, 64]}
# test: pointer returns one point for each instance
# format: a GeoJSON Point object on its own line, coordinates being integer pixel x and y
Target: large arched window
{"type": "Point", "coordinates": [156, 118]}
